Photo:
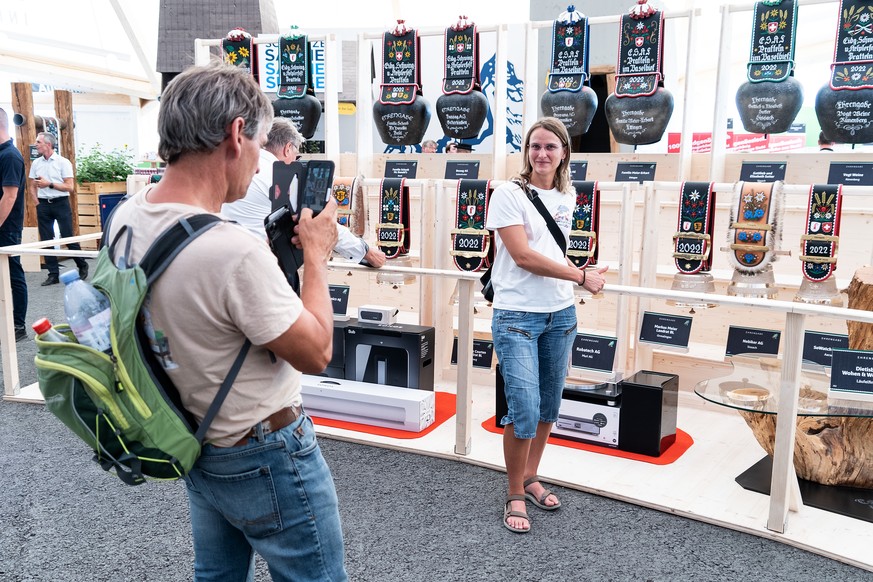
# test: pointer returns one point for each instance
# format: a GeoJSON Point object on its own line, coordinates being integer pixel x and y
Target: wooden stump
{"type": "Point", "coordinates": [831, 450]}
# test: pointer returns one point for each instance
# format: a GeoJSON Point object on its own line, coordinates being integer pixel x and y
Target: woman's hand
{"type": "Point", "coordinates": [593, 280]}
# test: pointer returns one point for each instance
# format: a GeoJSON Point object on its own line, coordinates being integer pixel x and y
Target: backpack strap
{"type": "Point", "coordinates": [171, 242]}
{"type": "Point", "coordinates": [156, 260]}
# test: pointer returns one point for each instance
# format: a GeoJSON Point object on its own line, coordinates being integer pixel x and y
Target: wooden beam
{"type": "Point", "coordinates": [67, 147]}
{"type": "Point", "coordinates": [25, 136]}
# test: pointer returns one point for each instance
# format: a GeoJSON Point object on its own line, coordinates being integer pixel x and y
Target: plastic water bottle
{"type": "Point", "coordinates": [43, 327]}
{"type": "Point", "coordinates": [87, 311]}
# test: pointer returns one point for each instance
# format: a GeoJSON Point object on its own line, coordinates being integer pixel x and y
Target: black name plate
{"type": "Point", "coordinates": [339, 298]}
{"type": "Point", "coordinates": [578, 171]}
{"type": "Point", "coordinates": [852, 375]}
{"type": "Point", "coordinates": [665, 330]}
{"type": "Point", "coordinates": [640, 173]}
{"type": "Point", "coordinates": [747, 340]}
{"type": "Point", "coordinates": [483, 353]}
{"type": "Point", "coordinates": [400, 169]}
{"type": "Point", "coordinates": [850, 174]}
{"type": "Point", "coordinates": [817, 347]}
{"type": "Point", "coordinates": [456, 170]}
{"type": "Point", "coordinates": [757, 172]}
{"type": "Point", "coordinates": [593, 352]}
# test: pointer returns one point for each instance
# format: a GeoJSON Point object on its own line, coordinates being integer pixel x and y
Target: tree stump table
{"type": "Point", "coordinates": [831, 450]}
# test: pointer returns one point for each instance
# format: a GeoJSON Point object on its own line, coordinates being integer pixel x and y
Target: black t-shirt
{"type": "Point", "coordinates": [12, 174]}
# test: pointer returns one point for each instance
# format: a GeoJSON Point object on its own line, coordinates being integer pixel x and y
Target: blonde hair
{"type": "Point", "coordinates": [562, 174]}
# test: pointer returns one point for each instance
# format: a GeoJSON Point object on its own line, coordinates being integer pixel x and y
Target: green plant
{"type": "Point", "coordinates": [96, 165]}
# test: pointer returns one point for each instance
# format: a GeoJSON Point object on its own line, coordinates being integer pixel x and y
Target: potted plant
{"type": "Point", "coordinates": [99, 173]}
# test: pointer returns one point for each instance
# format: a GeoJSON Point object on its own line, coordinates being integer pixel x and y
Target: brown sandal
{"type": "Point", "coordinates": [541, 502]}
{"type": "Point", "coordinates": [507, 513]}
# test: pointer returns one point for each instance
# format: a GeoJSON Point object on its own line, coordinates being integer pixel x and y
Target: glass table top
{"type": "Point", "coordinates": [753, 386]}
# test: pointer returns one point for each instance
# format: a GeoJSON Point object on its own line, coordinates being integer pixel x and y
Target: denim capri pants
{"type": "Point", "coordinates": [533, 350]}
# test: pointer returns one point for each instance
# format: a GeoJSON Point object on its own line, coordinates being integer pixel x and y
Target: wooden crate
{"type": "Point", "coordinates": [88, 201]}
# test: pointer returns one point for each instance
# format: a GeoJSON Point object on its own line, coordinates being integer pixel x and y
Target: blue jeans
{"type": "Point", "coordinates": [273, 496]}
{"type": "Point", "coordinates": [17, 280]}
{"type": "Point", "coordinates": [533, 350]}
{"type": "Point", "coordinates": [47, 212]}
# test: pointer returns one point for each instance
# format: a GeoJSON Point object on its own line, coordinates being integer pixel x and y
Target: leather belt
{"type": "Point", "coordinates": [392, 232]}
{"type": "Point", "coordinates": [692, 243]}
{"type": "Point", "coordinates": [819, 244]}
{"type": "Point", "coordinates": [582, 250]}
{"type": "Point", "coordinates": [52, 200]}
{"type": "Point", "coordinates": [471, 243]}
{"type": "Point", "coordinates": [276, 421]}
{"type": "Point", "coordinates": [342, 193]}
{"type": "Point", "coordinates": [756, 225]}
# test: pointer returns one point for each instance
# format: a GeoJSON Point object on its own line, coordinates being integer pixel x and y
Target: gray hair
{"type": "Point", "coordinates": [4, 119]}
{"type": "Point", "coordinates": [282, 132]}
{"type": "Point", "coordinates": [49, 138]}
{"type": "Point", "coordinates": [199, 105]}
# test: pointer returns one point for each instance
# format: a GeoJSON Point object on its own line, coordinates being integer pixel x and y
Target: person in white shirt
{"type": "Point", "coordinates": [51, 181]}
{"type": "Point", "coordinates": [534, 320]}
{"type": "Point", "coordinates": [283, 144]}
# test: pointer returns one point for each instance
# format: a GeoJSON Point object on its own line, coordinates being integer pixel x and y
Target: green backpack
{"type": "Point", "coordinates": [123, 405]}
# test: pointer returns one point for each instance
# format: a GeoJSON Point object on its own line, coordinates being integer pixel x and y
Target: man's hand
{"type": "Point", "coordinates": [375, 258]}
{"type": "Point", "coordinates": [41, 182]}
{"type": "Point", "coordinates": [316, 236]}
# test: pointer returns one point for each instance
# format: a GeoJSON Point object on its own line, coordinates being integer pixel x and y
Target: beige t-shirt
{"type": "Point", "coordinates": [225, 286]}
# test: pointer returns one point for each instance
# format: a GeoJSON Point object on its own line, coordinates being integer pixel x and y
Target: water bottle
{"type": "Point", "coordinates": [87, 311]}
{"type": "Point", "coordinates": [43, 327]}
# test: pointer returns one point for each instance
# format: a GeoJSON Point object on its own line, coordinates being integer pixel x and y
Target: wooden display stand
{"type": "Point", "coordinates": [88, 194]}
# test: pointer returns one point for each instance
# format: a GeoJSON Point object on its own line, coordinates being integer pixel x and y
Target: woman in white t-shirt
{"type": "Point", "coordinates": [534, 322]}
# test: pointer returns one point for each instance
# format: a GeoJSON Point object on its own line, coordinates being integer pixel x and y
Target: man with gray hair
{"type": "Point", "coordinates": [51, 181]}
{"type": "Point", "coordinates": [283, 145]}
{"type": "Point", "coordinates": [12, 220]}
{"type": "Point", "coordinates": [260, 484]}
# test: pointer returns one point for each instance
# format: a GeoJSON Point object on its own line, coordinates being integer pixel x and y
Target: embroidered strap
{"type": "Point", "coordinates": [771, 56]}
{"type": "Point", "coordinates": [294, 69]}
{"type": "Point", "coordinates": [692, 243]}
{"type": "Point", "coordinates": [583, 251]}
{"type": "Point", "coordinates": [640, 55]}
{"type": "Point", "coordinates": [238, 49]}
{"type": "Point", "coordinates": [461, 58]}
{"type": "Point", "coordinates": [754, 225]}
{"type": "Point", "coordinates": [392, 232]}
{"type": "Point", "coordinates": [569, 70]}
{"type": "Point", "coordinates": [400, 63]}
{"type": "Point", "coordinates": [471, 243]}
{"type": "Point", "coordinates": [342, 193]}
{"type": "Point", "coordinates": [852, 67]}
{"type": "Point", "coordinates": [819, 244]}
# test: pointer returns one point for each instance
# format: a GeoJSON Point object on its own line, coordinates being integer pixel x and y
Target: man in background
{"type": "Point", "coordinates": [428, 147]}
{"type": "Point", "coordinates": [283, 145]}
{"type": "Point", "coordinates": [51, 181]}
{"type": "Point", "coordinates": [824, 144]}
{"type": "Point", "coordinates": [12, 220]}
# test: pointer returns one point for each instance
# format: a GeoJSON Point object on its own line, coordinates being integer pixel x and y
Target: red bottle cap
{"type": "Point", "coordinates": [41, 326]}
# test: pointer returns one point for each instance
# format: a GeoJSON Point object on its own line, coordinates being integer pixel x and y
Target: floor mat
{"type": "Point", "coordinates": [445, 409]}
{"type": "Point", "coordinates": [676, 450]}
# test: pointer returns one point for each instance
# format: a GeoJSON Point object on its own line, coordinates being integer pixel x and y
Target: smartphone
{"type": "Point", "coordinates": [317, 185]}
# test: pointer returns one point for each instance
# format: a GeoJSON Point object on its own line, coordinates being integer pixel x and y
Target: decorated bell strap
{"type": "Point", "coordinates": [692, 243]}
{"type": "Point", "coordinates": [569, 60]}
{"type": "Point", "coordinates": [238, 49]}
{"type": "Point", "coordinates": [582, 250]}
{"type": "Point", "coordinates": [819, 244]}
{"type": "Point", "coordinates": [771, 57]}
{"type": "Point", "coordinates": [852, 67]}
{"type": "Point", "coordinates": [343, 193]}
{"type": "Point", "coordinates": [756, 225]}
{"type": "Point", "coordinates": [471, 243]}
{"type": "Point", "coordinates": [400, 66]}
{"type": "Point", "coordinates": [294, 71]}
{"type": "Point", "coordinates": [640, 54]}
{"type": "Point", "coordinates": [461, 58]}
{"type": "Point", "coordinates": [392, 232]}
